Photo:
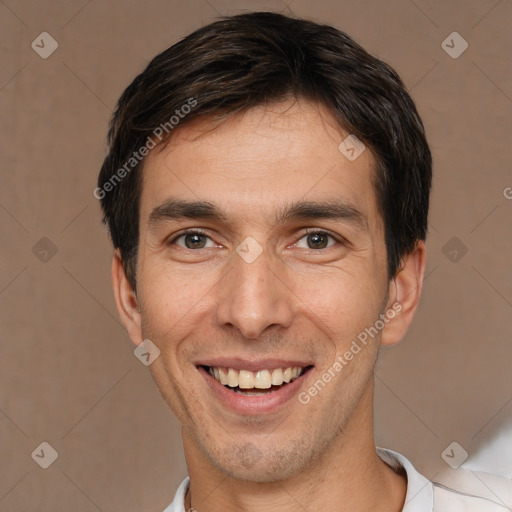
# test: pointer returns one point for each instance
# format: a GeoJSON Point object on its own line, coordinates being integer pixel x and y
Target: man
{"type": "Point", "coordinates": [267, 190]}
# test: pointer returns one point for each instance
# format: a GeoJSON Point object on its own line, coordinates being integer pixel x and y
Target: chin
{"type": "Point", "coordinates": [257, 474]}
{"type": "Point", "coordinates": [251, 464]}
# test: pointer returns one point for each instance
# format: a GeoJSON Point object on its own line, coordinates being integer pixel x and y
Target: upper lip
{"type": "Point", "coordinates": [252, 364]}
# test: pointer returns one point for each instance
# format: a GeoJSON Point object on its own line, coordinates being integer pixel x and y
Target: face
{"type": "Point", "coordinates": [264, 278]}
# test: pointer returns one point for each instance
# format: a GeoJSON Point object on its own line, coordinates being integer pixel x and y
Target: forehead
{"type": "Point", "coordinates": [257, 161]}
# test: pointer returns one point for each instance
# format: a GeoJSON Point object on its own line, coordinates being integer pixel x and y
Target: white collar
{"type": "Point", "coordinates": [419, 497]}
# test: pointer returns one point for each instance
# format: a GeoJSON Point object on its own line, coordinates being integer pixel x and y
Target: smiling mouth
{"type": "Point", "coordinates": [262, 382]}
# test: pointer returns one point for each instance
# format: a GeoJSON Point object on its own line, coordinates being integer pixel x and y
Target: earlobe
{"type": "Point", "coordinates": [126, 299]}
{"type": "Point", "coordinates": [405, 292]}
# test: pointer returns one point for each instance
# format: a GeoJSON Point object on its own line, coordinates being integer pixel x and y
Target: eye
{"type": "Point", "coordinates": [193, 239]}
{"type": "Point", "coordinates": [316, 239]}
{"type": "Point", "coordinates": [197, 239]}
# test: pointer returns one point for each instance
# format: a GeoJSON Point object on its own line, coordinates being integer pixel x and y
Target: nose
{"type": "Point", "coordinates": [253, 298]}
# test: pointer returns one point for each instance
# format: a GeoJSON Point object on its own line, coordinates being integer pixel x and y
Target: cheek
{"type": "Point", "coordinates": [343, 303]}
{"type": "Point", "coordinates": [171, 298]}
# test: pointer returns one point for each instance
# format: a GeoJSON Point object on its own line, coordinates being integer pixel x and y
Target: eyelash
{"type": "Point", "coordinates": [308, 231]}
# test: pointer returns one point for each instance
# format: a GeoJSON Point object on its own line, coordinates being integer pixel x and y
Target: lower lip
{"type": "Point", "coordinates": [254, 405]}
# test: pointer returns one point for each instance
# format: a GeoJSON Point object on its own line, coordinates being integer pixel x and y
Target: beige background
{"type": "Point", "coordinates": [68, 375]}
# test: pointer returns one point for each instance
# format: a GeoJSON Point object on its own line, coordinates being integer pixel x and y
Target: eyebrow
{"type": "Point", "coordinates": [179, 209]}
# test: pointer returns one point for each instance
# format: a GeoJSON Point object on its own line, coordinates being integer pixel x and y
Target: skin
{"type": "Point", "coordinates": [293, 301]}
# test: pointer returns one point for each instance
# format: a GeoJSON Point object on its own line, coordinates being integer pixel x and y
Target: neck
{"type": "Point", "coordinates": [348, 476]}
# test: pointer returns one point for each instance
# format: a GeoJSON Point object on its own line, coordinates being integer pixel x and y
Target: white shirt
{"type": "Point", "coordinates": [422, 494]}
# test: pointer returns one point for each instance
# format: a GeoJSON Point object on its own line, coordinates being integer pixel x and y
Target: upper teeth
{"type": "Point", "coordinates": [262, 379]}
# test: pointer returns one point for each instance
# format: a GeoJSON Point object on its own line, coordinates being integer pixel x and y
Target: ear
{"type": "Point", "coordinates": [126, 299]}
{"type": "Point", "coordinates": [404, 295]}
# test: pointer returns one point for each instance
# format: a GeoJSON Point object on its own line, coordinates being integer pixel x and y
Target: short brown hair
{"type": "Point", "coordinates": [253, 59]}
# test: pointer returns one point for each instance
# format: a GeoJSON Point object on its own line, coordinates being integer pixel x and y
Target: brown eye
{"type": "Point", "coordinates": [193, 240]}
{"type": "Point", "coordinates": [316, 240]}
